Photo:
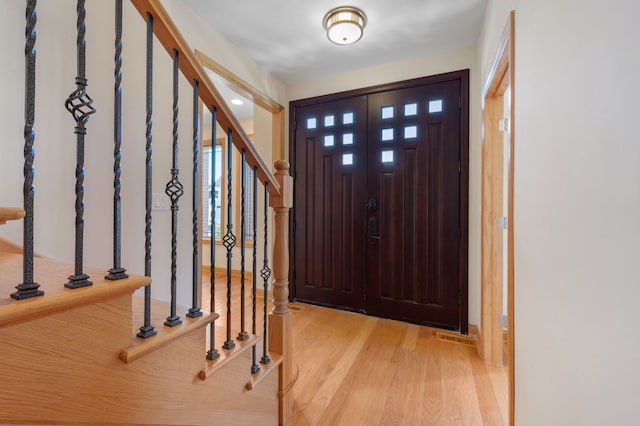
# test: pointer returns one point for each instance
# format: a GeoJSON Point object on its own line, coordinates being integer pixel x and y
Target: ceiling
{"type": "Point", "coordinates": [287, 38]}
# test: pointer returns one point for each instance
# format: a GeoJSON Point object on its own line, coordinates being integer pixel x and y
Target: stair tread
{"type": "Point", "coordinates": [10, 213]}
{"type": "Point", "coordinates": [227, 355]}
{"type": "Point", "coordinates": [52, 276]}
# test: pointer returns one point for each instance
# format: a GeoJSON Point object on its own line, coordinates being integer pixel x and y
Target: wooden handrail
{"type": "Point", "coordinates": [168, 34]}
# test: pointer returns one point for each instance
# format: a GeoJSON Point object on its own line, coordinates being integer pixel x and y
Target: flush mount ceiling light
{"type": "Point", "coordinates": [236, 101]}
{"type": "Point", "coordinates": [344, 24]}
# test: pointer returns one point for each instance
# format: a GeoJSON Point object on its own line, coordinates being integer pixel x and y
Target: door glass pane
{"type": "Point", "coordinates": [347, 139]}
{"type": "Point", "coordinates": [329, 140]}
{"type": "Point", "coordinates": [410, 132]}
{"type": "Point", "coordinates": [387, 156]}
{"type": "Point", "coordinates": [312, 123]}
{"type": "Point", "coordinates": [410, 109]}
{"type": "Point", "coordinates": [387, 112]}
{"type": "Point", "coordinates": [211, 191]}
{"type": "Point", "coordinates": [329, 120]}
{"type": "Point", "coordinates": [435, 106]}
{"type": "Point", "coordinates": [347, 159]}
{"type": "Point", "coordinates": [347, 118]}
{"type": "Point", "coordinates": [387, 134]}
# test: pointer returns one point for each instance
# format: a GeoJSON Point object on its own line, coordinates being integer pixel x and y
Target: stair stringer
{"type": "Point", "coordinates": [65, 368]}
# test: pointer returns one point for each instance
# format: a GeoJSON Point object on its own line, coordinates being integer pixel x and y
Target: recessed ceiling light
{"type": "Point", "coordinates": [236, 101]}
{"type": "Point", "coordinates": [344, 24]}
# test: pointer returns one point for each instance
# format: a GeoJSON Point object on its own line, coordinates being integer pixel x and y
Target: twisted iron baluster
{"type": "Point", "coordinates": [147, 330]}
{"type": "Point", "coordinates": [242, 335]}
{"type": "Point", "coordinates": [174, 190]}
{"type": "Point", "coordinates": [213, 353]}
{"type": "Point", "coordinates": [194, 310]}
{"type": "Point", "coordinates": [80, 105]}
{"type": "Point", "coordinates": [117, 272]}
{"type": "Point", "coordinates": [28, 288]}
{"type": "Point", "coordinates": [265, 273]}
{"type": "Point", "coordinates": [254, 365]}
{"type": "Point", "coordinates": [229, 239]}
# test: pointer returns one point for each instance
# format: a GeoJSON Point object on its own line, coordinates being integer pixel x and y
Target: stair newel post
{"type": "Point", "coordinates": [147, 330]}
{"type": "Point", "coordinates": [280, 333]}
{"type": "Point", "coordinates": [194, 310]}
{"type": "Point", "coordinates": [117, 272]}
{"type": "Point", "coordinates": [174, 191]}
{"type": "Point", "coordinates": [80, 105]}
{"type": "Point", "coordinates": [28, 288]}
{"type": "Point", "coordinates": [242, 335]}
{"type": "Point", "coordinates": [229, 239]}
{"type": "Point", "coordinates": [213, 353]}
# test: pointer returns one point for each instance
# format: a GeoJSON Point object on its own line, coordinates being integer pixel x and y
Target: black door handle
{"type": "Point", "coordinates": [371, 234]}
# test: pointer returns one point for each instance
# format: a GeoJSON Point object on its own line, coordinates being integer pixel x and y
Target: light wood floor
{"type": "Point", "coordinates": [360, 370]}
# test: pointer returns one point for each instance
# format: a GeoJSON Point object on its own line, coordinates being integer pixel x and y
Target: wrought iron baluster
{"type": "Point", "coordinates": [229, 239]}
{"type": "Point", "coordinates": [254, 365]}
{"type": "Point", "coordinates": [242, 335]}
{"type": "Point", "coordinates": [174, 190]}
{"type": "Point", "coordinates": [194, 310]}
{"type": "Point", "coordinates": [28, 288]}
{"type": "Point", "coordinates": [147, 330]}
{"type": "Point", "coordinates": [80, 105]}
{"type": "Point", "coordinates": [117, 272]}
{"type": "Point", "coordinates": [265, 273]}
{"type": "Point", "coordinates": [213, 353]}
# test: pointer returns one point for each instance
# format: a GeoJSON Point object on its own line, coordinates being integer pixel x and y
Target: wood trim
{"type": "Point", "coordinates": [10, 213]}
{"type": "Point", "coordinates": [510, 231]}
{"type": "Point", "coordinates": [227, 355]}
{"type": "Point", "coordinates": [171, 38]}
{"type": "Point", "coordinates": [165, 336]}
{"type": "Point", "coordinates": [502, 75]}
{"type": "Point", "coordinates": [51, 276]}
{"type": "Point", "coordinates": [238, 85]}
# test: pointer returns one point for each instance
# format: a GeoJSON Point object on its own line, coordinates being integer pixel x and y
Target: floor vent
{"type": "Point", "coordinates": [456, 338]}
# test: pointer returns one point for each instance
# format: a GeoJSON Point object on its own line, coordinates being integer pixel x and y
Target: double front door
{"type": "Point", "coordinates": [379, 201]}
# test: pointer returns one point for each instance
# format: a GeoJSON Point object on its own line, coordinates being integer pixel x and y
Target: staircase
{"type": "Point", "coordinates": [87, 345]}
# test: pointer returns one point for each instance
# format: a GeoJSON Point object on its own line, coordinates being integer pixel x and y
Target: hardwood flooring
{"type": "Point", "coordinates": [360, 370]}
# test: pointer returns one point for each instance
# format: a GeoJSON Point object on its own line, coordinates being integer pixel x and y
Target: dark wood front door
{"type": "Point", "coordinates": [379, 202]}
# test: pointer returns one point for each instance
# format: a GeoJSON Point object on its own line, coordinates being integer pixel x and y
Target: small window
{"type": "Point", "coordinates": [329, 140]}
{"type": "Point", "coordinates": [435, 106]}
{"type": "Point", "coordinates": [329, 120]}
{"type": "Point", "coordinates": [347, 159]}
{"type": "Point", "coordinates": [387, 134]}
{"type": "Point", "coordinates": [312, 123]}
{"type": "Point", "coordinates": [347, 139]}
{"type": "Point", "coordinates": [410, 132]}
{"type": "Point", "coordinates": [387, 156]}
{"type": "Point", "coordinates": [347, 118]}
{"type": "Point", "coordinates": [410, 109]}
{"type": "Point", "coordinates": [387, 112]}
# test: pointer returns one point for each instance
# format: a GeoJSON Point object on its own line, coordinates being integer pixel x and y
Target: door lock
{"type": "Point", "coordinates": [372, 204]}
{"type": "Point", "coordinates": [371, 234]}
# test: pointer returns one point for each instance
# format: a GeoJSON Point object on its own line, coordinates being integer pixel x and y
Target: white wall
{"type": "Point", "coordinates": [55, 141]}
{"type": "Point", "coordinates": [577, 204]}
{"type": "Point", "coordinates": [413, 68]}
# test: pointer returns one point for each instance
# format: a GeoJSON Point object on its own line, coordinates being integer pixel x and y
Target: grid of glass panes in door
{"type": "Point", "coordinates": [334, 134]}
{"type": "Point", "coordinates": [409, 131]}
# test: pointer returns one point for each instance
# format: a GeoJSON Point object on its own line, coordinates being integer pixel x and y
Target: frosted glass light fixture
{"type": "Point", "coordinates": [344, 24]}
